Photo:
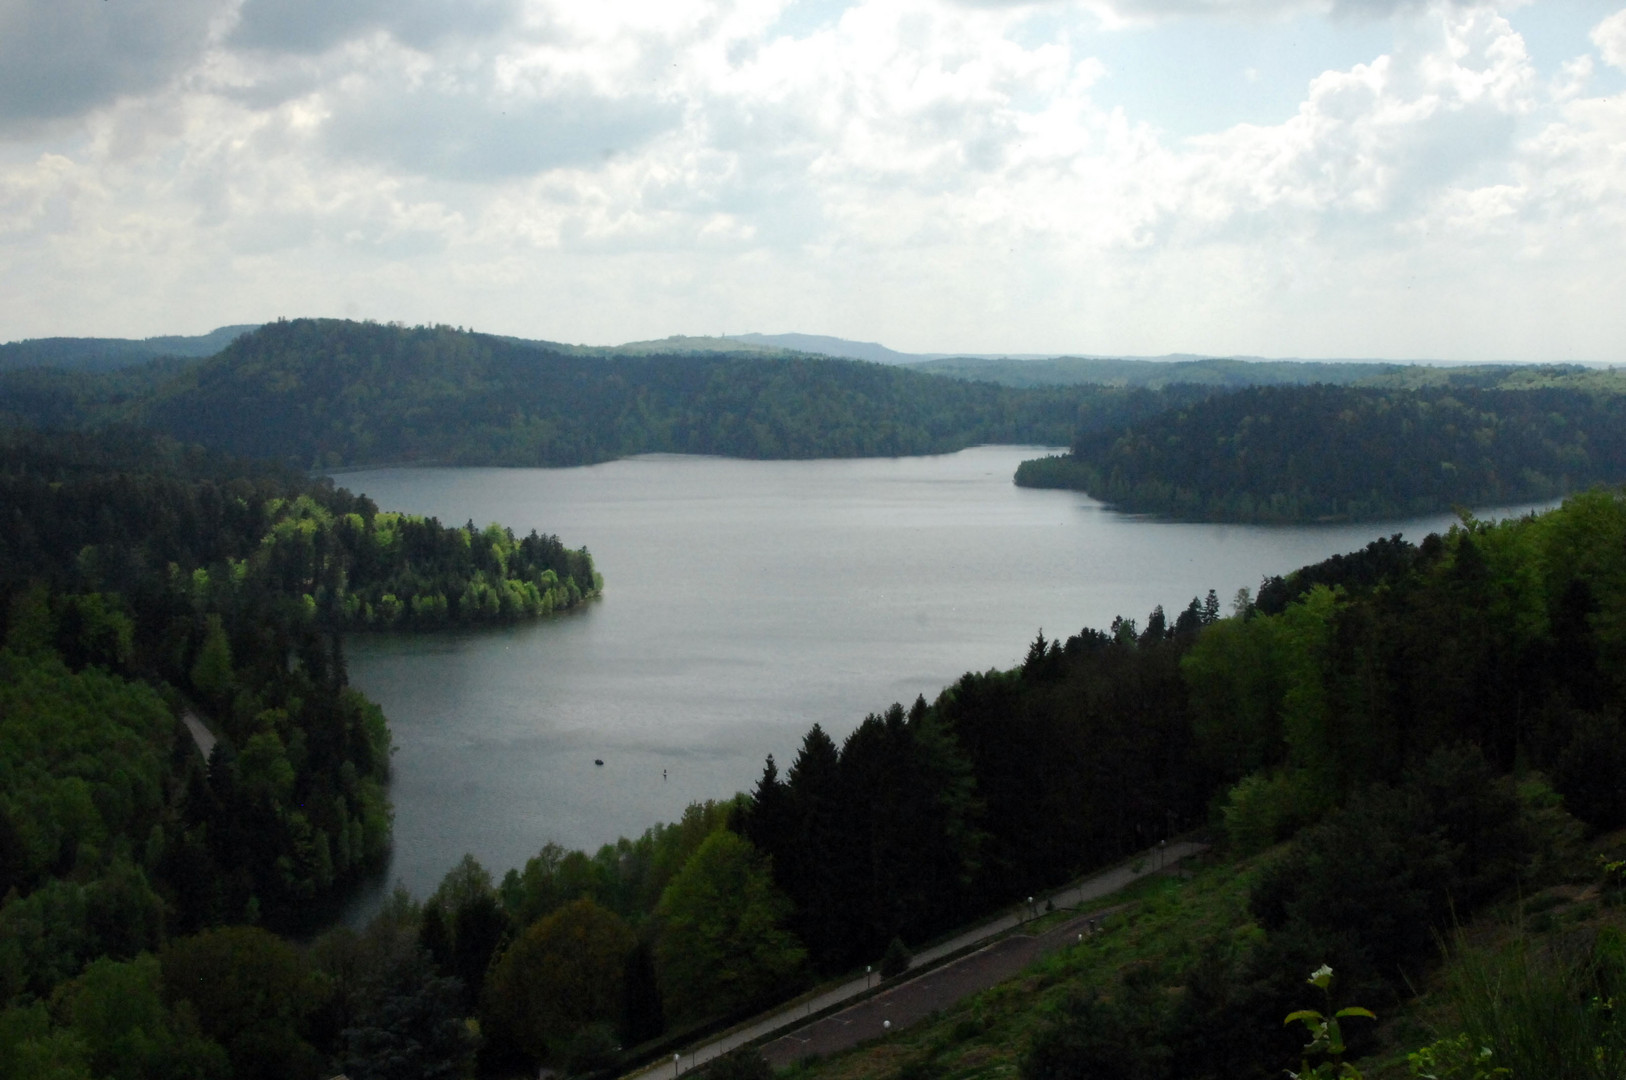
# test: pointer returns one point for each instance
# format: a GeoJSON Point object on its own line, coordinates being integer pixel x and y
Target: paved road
{"type": "Point", "coordinates": [919, 997]}
{"type": "Point", "coordinates": [200, 733]}
{"type": "Point", "coordinates": [1091, 888]}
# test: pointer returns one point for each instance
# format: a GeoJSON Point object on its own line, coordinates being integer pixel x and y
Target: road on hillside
{"type": "Point", "coordinates": [908, 1002]}
{"type": "Point", "coordinates": [986, 972]}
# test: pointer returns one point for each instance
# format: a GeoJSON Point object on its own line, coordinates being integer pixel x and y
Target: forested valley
{"type": "Point", "coordinates": [1331, 453]}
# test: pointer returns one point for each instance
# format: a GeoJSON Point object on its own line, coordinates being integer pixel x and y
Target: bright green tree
{"type": "Point", "coordinates": [723, 943]}
{"type": "Point", "coordinates": [212, 670]}
{"type": "Point", "coordinates": [118, 1010]}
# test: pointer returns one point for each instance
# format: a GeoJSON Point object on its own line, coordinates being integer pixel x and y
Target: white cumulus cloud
{"type": "Point", "coordinates": [933, 173]}
{"type": "Point", "coordinates": [1610, 37]}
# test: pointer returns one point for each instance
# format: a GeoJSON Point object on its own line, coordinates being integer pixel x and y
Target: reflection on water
{"type": "Point", "coordinates": [744, 601]}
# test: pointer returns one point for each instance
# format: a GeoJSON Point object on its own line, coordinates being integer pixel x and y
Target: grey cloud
{"type": "Point", "coordinates": [313, 26]}
{"type": "Point", "coordinates": [61, 58]}
{"type": "Point", "coordinates": [465, 137]}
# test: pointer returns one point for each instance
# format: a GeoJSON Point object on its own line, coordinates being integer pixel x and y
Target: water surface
{"type": "Point", "coordinates": [745, 601]}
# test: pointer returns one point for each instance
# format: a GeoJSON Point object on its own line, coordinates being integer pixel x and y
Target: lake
{"type": "Point", "coordinates": [744, 601]}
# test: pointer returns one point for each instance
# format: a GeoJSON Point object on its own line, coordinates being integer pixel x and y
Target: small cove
{"type": "Point", "coordinates": [745, 601]}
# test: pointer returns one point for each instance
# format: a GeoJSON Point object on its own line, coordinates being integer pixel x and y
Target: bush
{"type": "Point", "coordinates": [896, 960]}
{"type": "Point", "coordinates": [1591, 771]}
{"type": "Point", "coordinates": [589, 1049]}
{"type": "Point", "coordinates": [746, 1063]}
{"type": "Point", "coordinates": [1118, 1038]}
{"type": "Point", "coordinates": [1374, 874]}
{"type": "Point", "coordinates": [1262, 810]}
{"type": "Point", "coordinates": [1388, 872]}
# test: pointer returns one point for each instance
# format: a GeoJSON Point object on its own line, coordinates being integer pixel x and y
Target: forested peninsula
{"type": "Point", "coordinates": [142, 581]}
{"type": "Point", "coordinates": [1333, 453]}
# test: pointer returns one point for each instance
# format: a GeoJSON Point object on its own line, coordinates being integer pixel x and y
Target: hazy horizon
{"type": "Point", "coordinates": [909, 358]}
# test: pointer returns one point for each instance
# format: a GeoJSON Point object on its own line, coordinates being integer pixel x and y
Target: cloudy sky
{"type": "Point", "coordinates": [1332, 178]}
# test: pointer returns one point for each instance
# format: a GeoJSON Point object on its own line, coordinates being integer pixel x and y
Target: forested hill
{"type": "Point", "coordinates": [1284, 454]}
{"type": "Point", "coordinates": [337, 393]}
{"type": "Point", "coordinates": [327, 393]}
{"type": "Point", "coordinates": [107, 354]}
{"type": "Point", "coordinates": [1155, 374]}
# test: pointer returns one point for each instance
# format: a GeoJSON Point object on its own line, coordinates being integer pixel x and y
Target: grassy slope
{"type": "Point", "coordinates": [985, 1036]}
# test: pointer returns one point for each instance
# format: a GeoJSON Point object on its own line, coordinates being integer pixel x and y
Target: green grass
{"type": "Point", "coordinates": [1540, 979]}
{"type": "Point", "coordinates": [984, 1036]}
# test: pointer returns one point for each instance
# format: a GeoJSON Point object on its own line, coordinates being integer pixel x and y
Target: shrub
{"type": "Point", "coordinates": [746, 1063]}
{"type": "Point", "coordinates": [1264, 809]}
{"type": "Point", "coordinates": [895, 961]}
{"type": "Point", "coordinates": [1103, 1038]}
{"type": "Point", "coordinates": [1591, 771]}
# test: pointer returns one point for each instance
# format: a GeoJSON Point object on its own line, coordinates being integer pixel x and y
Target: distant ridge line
{"type": "Point", "coordinates": [109, 353]}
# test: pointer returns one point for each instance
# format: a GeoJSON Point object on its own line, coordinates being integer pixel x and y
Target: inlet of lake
{"type": "Point", "coordinates": [743, 602]}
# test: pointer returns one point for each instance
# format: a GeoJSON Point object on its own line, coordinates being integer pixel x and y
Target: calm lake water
{"type": "Point", "coordinates": [744, 601]}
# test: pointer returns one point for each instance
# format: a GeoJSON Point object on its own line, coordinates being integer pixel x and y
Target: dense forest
{"type": "Point", "coordinates": [1324, 453]}
{"type": "Point", "coordinates": [143, 584]}
{"type": "Point", "coordinates": [1369, 714]}
{"type": "Point", "coordinates": [325, 393]}
{"type": "Point", "coordinates": [1422, 725]}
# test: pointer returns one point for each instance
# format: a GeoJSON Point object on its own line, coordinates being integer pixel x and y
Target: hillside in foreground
{"type": "Point", "coordinates": [1143, 996]}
